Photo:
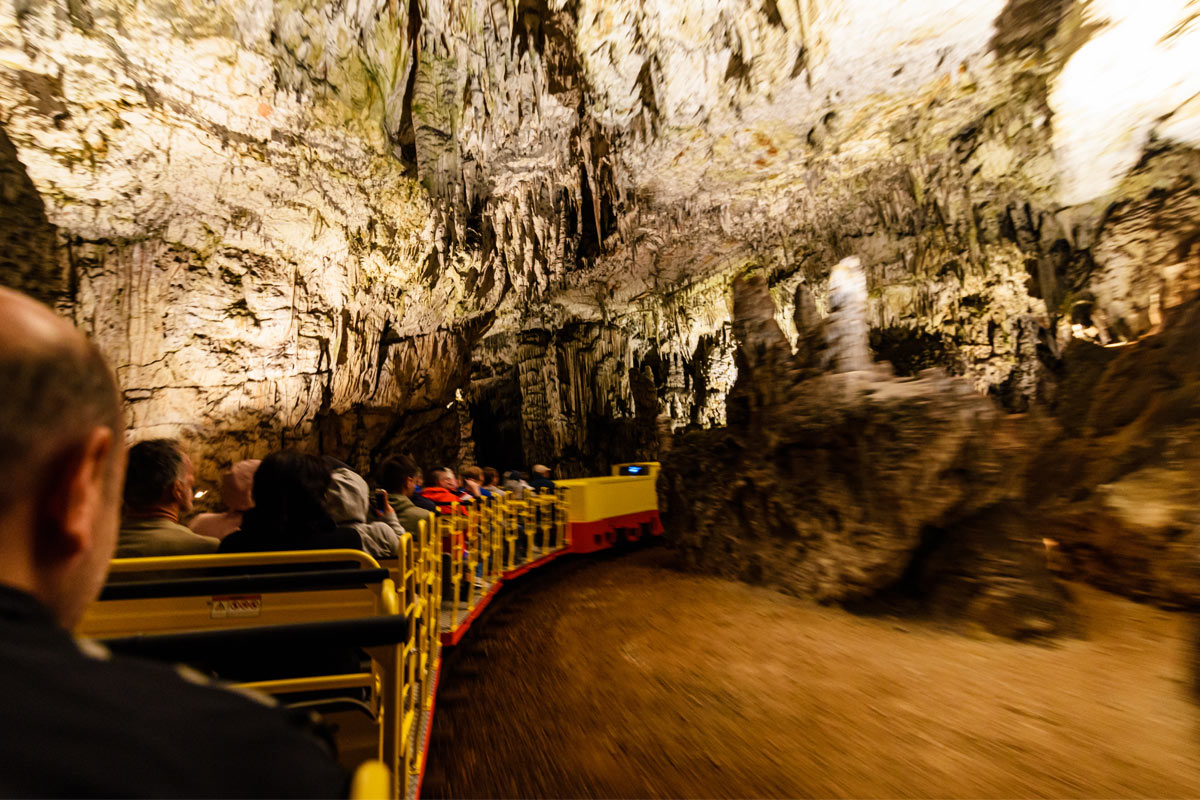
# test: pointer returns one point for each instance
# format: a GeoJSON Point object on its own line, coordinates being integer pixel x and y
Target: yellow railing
{"type": "Point", "coordinates": [492, 536]}
{"type": "Point", "coordinates": [123, 565]}
{"type": "Point", "coordinates": [513, 511]}
{"type": "Point", "coordinates": [372, 781]}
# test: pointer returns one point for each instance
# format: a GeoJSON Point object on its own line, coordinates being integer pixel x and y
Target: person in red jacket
{"type": "Point", "coordinates": [445, 491]}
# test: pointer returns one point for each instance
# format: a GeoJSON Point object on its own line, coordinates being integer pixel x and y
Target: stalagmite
{"type": "Point", "coordinates": [846, 328]}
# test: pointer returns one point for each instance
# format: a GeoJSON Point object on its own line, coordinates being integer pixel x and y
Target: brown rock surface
{"type": "Point", "coordinates": [1120, 486]}
{"type": "Point", "coordinates": [838, 486]}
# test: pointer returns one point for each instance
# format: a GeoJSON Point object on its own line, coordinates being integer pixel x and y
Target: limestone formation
{"type": "Point", "coordinates": [845, 485]}
{"type": "Point", "coordinates": [1119, 488]}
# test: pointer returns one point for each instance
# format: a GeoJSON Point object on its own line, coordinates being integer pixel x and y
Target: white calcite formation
{"type": "Point", "coordinates": [317, 222]}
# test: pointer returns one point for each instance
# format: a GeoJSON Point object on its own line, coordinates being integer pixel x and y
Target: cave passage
{"type": "Point", "coordinates": [623, 677]}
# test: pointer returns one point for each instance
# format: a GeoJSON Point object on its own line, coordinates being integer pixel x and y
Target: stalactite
{"type": "Point", "coordinates": [344, 183]}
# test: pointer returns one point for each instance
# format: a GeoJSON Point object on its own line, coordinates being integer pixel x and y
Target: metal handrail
{"type": "Point", "coordinates": [241, 559]}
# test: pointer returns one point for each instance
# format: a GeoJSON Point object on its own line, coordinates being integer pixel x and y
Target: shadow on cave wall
{"type": "Point", "coordinates": [496, 424]}
{"type": "Point", "coordinates": [29, 253]}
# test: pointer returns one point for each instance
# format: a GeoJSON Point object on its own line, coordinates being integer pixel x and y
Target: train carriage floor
{"type": "Point", "coordinates": [618, 676]}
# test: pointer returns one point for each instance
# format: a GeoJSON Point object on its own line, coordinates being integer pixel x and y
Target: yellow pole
{"type": "Point", "coordinates": [544, 521]}
{"type": "Point", "coordinates": [494, 530]}
{"type": "Point", "coordinates": [471, 539]}
{"type": "Point", "coordinates": [512, 530]}
{"type": "Point", "coordinates": [423, 611]}
{"type": "Point", "coordinates": [561, 516]}
{"type": "Point", "coordinates": [409, 703]}
{"type": "Point", "coordinates": [456, 558]}
{"type": "Point", "coordinates": [529, 528]}
{"type": "Point", "coordinates": [435, 617]}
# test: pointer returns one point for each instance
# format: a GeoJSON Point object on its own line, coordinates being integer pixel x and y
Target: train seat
{"type": "Point", "coordinates": [281, 623]}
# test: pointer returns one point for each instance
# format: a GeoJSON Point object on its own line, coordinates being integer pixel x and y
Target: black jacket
{"type": "Point", "coordinates": [79, 723]}
{"type": "Point", "coordinates": [540, 484]}
{"type": "Point", "coordinates": [260, 536]}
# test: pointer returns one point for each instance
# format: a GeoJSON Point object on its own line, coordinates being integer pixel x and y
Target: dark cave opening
{"type": "Point", "coordinates": [496, 425]}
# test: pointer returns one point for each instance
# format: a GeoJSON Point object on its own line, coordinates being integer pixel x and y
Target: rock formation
{"type": "Point", "coordinates": [841, 485]}
{"type": "Point", "coordinates": [1119, 487]}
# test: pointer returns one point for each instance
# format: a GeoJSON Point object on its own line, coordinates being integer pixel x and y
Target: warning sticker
{"type": "Point", "coordinates": [246, 605]}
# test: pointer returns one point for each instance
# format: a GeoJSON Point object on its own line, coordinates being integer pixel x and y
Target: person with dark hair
{"type": "Point", "coordinates": [515, 485]}
{"type": "Point", "coordinates": [289, 510]}
{"type": "Point", "coordinates": [491, 482]}
{"type": "Point", "coordinates": [418, 499]}
{"type": "Point", "coordinates": [82, 722]}
{"type": "Point", "coordinates": [473, 479]}
{"type": "Point", "coordinates": [398, 477]}
{"type": "Point", "coordinates": [158, 490]}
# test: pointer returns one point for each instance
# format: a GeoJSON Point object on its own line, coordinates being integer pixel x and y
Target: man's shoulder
{"type": "Point", "coordinates": [161, 537]}
{"type": "Point", "coordinates": [413, 513]}
{"type": "Point", "coordinates": [144, 729]}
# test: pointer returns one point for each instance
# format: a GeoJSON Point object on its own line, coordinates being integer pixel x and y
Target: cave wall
{"type": "Point", "coordinates": [836, 480]}
{"type": "Point", "coordinates": [241, 282]}
{"type": "Point", "coordinates": [572, 398]}
{"type": "Point", "coordinates": [290, 221]}
{"type": "Point", "coordinates": [1008, 187]}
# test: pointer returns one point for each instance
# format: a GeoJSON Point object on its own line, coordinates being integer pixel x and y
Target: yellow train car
{"type": "Point", "coordinates": [217, 612]}
{"type": "Point", "coordinates": [602, 511]}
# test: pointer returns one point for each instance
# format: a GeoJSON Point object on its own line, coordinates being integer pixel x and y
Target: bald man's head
{"type": "Point", "coordinates": [56, 386]}
{"type": "Point", "coordinates": [60, 454]}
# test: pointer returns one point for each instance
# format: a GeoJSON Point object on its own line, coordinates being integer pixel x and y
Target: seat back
{"type": "Point", "coordinates": [214, 608]}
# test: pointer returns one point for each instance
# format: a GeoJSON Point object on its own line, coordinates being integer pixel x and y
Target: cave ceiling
{"type": "Point", "coordinates": [272, 212]}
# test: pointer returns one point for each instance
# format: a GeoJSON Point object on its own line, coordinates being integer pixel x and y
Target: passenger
{"type": "Point", "coordinates": [289, 510]}
{"type": "Point", "coordinates": [418, 499]}
{"type": "Point", "coordinates": [349, 503]}
{"type": "Point", "coordinates": [473, 483]}
{"type": "Point", "coordinates": [491, 482]}
{"type": "Point", "coordinates": [235, 496]}
{"type": "Point", "coordinates": [541, 479]}
{"type": "Point", "coordinates": [446, 492]}
{"type": "Point", "coordinates": [515, 485]}
{"type": "Point", "coordinates": [398, 476]}
{"type": "Point", "coordinates": [80, 722]}
{"type": "Point", "coordinates": [453, 482]}
{"type": "Point", "coordinates": [158, 490]}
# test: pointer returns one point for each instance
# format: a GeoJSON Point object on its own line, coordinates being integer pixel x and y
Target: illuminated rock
{"type": "Point", "coordinates": [1119, 488]}
{"type": "Point", "coordinates": [846, 325]}
{"type": "Point", "coordinates": [298, 222]}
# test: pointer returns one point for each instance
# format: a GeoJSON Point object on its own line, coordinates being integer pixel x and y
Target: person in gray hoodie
{"type": "Point", "coordinates": [348, 500]}
{"type": "Point", "coordinates": [515, 485]}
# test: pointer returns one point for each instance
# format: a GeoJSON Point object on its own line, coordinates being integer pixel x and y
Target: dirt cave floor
{"type": "Point", "coordinates": [622, 677]}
